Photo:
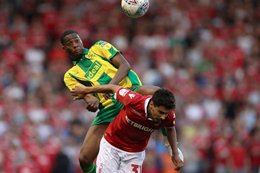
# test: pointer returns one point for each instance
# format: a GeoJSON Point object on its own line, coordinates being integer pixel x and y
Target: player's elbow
{"type": "Point", "coordinates": [127, 66]}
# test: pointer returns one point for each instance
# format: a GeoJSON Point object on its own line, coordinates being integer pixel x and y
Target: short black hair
{"type": "Point", "coordinates": [65, 33]}
{"type": "Point", "coordinates": [164, 97]}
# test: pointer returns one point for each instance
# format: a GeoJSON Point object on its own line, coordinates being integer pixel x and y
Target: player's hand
{"type": "Point", "coordinates": [177, 161]}
{"type": "Point", "coordinates": [78, 92]}
{"type": "Point", "coordinates": [92, 102]}
{"type": "Point", "coordinates": [107, 95]}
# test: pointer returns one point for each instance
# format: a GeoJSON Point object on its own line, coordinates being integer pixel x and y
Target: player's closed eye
{"type": "Point", "coordinates": [163, 113]}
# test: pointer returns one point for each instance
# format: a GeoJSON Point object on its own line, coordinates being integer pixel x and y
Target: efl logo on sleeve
{"type": "Point", "coordinates": [103, 43]}
{"type": "Point", "coordinates": [123, 92]}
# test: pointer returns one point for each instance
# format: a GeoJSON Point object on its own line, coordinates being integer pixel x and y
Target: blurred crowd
{"type": "Point", "coordinates": [206, 51]}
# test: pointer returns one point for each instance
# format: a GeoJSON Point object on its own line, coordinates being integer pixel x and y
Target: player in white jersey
{"type": "Point", "coordinates": [122, 148]}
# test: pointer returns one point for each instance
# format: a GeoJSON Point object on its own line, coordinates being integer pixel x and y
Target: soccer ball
{"type": "Point", "coordinates": [135, 8]}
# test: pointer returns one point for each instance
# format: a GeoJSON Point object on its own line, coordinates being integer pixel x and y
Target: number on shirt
{"type": "Point", "coordinates": [135, 168]}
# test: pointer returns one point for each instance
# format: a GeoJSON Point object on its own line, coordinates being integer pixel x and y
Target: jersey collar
{"type": "Point", "coordinates": [85, 51]}
{"type": "Point", "coordinates": [146, 103]}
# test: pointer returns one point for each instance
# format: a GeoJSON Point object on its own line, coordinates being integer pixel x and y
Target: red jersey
{"type": "Point", "coordinates": [131, 129]}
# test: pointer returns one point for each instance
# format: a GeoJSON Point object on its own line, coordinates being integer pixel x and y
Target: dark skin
{"type": "Point", "coordinates": [74, 47]}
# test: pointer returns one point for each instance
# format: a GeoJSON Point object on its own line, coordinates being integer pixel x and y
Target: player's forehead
{"type": "Point", "coordinates": [71, 37]}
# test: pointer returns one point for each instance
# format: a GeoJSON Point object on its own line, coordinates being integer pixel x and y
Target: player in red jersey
{"type": "Point", "coordinates": [122, 147]}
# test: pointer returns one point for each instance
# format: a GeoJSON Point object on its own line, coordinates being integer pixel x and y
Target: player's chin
{"type": "Point", "coordinates": [76, 56]}
{"type": "Point", "coordinates": [78, 51]}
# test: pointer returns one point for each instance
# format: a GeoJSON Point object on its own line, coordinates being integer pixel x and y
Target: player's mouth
{"type": "Point", "coordinates": [78, 51]}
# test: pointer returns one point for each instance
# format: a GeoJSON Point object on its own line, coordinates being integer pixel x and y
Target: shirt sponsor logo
{"type": "Point", "coordinates": [93, 69]}
{"type": "Point", "coordinates": [138, 126]}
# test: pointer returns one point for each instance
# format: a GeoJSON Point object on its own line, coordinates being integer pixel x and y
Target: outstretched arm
{"type": "Point", "coordinates": [172, 139]}
{"type": "Point", "coordinates": [77, 91]}
{"type": "Point", "coordinates": [147, 89]}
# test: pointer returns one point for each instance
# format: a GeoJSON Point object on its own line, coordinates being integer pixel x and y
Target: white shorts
{"type": "Point", "coordinates": [113, 160]}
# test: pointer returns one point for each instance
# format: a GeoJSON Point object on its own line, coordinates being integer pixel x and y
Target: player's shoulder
{"type": "Point", "coordinates": [124, 90]}
{"type": "Point", "coordinates": [73, 70]}
{"type": "Point", "coordinates": [101, 44]}
{"type": "Point", "coordinates": [66, 76]}
{"type": "Point", "coordinates": [171, 114]}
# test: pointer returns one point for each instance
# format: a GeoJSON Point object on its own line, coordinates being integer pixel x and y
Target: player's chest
{"type": "Point", "coordinates": [91, 69]}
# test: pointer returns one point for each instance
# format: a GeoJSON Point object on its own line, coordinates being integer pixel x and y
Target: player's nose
{"type": "Point", "coordinates": [75, 45]}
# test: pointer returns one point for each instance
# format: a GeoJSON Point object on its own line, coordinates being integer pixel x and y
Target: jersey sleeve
{"type": "Point", "coordinates": [105, 49]}
{"type": "Point", "coordinates": [126, 96]}
{"type": "Point", "coordinates": [170, 120]}
{"type": "Point", "coordinates": [70, 82]}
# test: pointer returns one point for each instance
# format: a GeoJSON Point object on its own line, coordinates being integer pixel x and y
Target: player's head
{"type": "Point", "coordinates": [162, 102]}
{"type": "Point", "coordinates": [72, 44]}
